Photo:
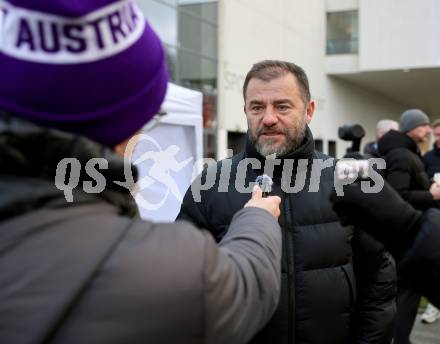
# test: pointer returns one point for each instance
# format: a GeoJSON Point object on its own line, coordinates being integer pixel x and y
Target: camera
{"type": "Point", "coordinates": [353, 133]}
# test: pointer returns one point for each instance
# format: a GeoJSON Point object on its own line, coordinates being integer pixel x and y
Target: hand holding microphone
{"type": "Point", "coordinates": [269, 203]}
{"type": "Point", "coordinates": [265, 183]}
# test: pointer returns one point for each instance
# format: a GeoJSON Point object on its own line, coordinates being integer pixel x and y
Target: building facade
{"type": "Point", "coordinates": [189, 31]}
{"type": "Point", "coordinates": [366, 59]}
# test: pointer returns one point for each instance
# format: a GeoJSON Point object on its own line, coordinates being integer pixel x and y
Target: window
{"type": "Point", "coordinates": [342, 32]}
{"type": "Point", "coordinates": [197, 72]}
{"type": "Point", "coordinates": [236, 141]}
{"type": "Point", "coordinates": [319, 145]}
{"type": "Point", "coordinates": [332, 148]}
{"type": "Point", "coordinates": [171, 56]}
{"type": "Point", "coordinates": [163, 19]}
{"type": "Point", "coordinates": [197, 35]}
{"type": "Point", "coordinates": [189, 30]}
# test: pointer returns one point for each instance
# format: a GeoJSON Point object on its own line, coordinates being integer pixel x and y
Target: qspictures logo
{"type": "Point", "coordinates": [163, 161]}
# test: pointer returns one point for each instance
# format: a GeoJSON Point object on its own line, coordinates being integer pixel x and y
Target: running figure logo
{"type": "Point", "coordinates": [162, 162]}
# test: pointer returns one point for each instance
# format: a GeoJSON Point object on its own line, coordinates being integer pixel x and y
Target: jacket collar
{"type": "Point", "coordinates": [395, 139]}
{"type": "Point", "coordinates": [435, 149]}
{"type": "Point", "coordinates": [304, 151]}
{"type": "Point", "coordinates": [29, 156]}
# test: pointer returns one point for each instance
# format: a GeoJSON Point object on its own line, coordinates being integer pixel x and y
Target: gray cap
{"type": "Point", "coordinates": [411, 119]}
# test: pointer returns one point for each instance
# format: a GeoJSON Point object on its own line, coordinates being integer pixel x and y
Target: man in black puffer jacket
{"type": "Point", "coordinates": [338, 285]}
{"type": "Point", "coordinates": [405, 170]}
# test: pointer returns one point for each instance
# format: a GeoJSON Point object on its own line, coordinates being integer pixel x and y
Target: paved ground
{"type": "Point", "coordinates": [426, 334]}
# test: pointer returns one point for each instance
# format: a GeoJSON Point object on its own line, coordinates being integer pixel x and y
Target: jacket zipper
{"type": "Point", "coordinates": [290, 271]}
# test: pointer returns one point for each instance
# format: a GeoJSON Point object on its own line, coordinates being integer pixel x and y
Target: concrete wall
{"type": "Point", "coordinates": [341, 5]}
{"type": "Point", "coordinates": [393, 34]}
{"type": "Point", "coordinates": [253, 30]}
{"type": "Point", "coordinates": [349, 104]}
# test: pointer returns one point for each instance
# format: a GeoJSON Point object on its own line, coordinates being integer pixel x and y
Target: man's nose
{"type": "Point", "coordinates": [270, 117]}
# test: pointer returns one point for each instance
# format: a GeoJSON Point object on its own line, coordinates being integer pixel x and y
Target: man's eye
{"type": "Point", "coordinates": [282, 107]}
{"type": "Point", "coordinates": [256, 108]}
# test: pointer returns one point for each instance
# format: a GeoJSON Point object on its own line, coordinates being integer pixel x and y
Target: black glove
{"type": "Point", "coordinates": [384, 215]}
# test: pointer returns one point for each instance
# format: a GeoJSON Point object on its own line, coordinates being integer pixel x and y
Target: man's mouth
{"type": "Point", "coordinates": [270, 133]}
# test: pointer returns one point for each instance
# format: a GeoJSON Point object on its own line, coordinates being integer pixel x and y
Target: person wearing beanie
{"type": "Point", "coordinates": [78, 80]}
{"type": "Point", "coordinates": [405, 169]}
{"type": "Point", "coordinates": [406, 174]}
{"type": "Point", "coordinates": [414, 119]}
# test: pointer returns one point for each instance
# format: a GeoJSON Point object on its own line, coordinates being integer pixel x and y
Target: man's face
{"type": "Point", "coordinates": [420, 134]}
{"type": "Point", "coordinates": [436, 132]}
{"type": "Point", "coordinates": [276, 114]}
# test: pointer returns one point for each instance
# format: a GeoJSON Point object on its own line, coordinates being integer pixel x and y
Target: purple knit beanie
{"type": "Point", "coordinates": [92, 67]}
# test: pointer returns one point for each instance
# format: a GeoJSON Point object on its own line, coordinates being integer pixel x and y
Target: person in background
{"type": "Point", "coordinates": [432, 158]}
{"type": "Point", "coordinates": [406, 174]}
{"type": "Point", "coordinates": [405, 170]}
{"type": "Point", "coordinates": [78, 79]}
{"type": "Point", "coordinates": [432, 166]}
{"type": "Point", "coordinates": [338, 285]}
{"type": "Point", "coordinates": [410, 235]}
{"type": "Point", "coordinates": [382, 127]}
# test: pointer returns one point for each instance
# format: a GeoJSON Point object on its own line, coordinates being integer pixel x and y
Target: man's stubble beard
{"type": "Point", "coordinates": [293, 139]}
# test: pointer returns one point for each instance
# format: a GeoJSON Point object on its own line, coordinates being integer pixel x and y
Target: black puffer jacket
{"type": "Point", "coordinates": [338, 285]}
{"type": "Point", "coordinates": [432, 161]}
{"type": "Point", "coordinates": [405, 171]}
{"type": "Point", "coordinates": [370, 150]}
{"type": "Point", "coordinates": [411, 236]}
{"type": "Point", "coordinates": [420, 265]}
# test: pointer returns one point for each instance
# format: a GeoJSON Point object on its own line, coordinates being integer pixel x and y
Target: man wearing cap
{"type": "Point", "coordinates": [405, 169]}
{"type": "Point", "coordinates": [406, 174]}
{"type": "Point", "coordinates": [78, 79]}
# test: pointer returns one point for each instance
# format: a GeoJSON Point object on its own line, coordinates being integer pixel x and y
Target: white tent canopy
{"type": "Point", "coordinates": [165, 155]}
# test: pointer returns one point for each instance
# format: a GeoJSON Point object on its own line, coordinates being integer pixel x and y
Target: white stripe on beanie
{"type": "Point", "coordinates": [46, 38]}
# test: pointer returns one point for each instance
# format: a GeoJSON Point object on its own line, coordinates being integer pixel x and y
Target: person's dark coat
{"type": "Point", "coordinates": [405, 171]}
{"type": "Point", "coordinates": [90, 272]}
{"type": "Point", "coordinates": [411, 236]}
{"type": "Point", "coordinates": [371, 150]}
{"type": "Point", "coordinates": [432, 161]}
{"type": "Point", "coordinates": [338, 285]}
{"type": "Point", "coordinates": [420, 265]}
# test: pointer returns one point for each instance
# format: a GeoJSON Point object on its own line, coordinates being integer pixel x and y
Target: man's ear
{"type": "Point", "coordinates": [120, 148]}
{"type": "Point", "coordinates": [310, 111]}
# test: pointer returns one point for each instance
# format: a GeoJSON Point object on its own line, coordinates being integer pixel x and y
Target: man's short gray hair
{"type": "Point", "coordinates": [384, 126]}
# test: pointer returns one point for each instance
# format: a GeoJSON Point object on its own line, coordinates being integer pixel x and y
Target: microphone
{"type": "Point", "coordinates": [265, 183]}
